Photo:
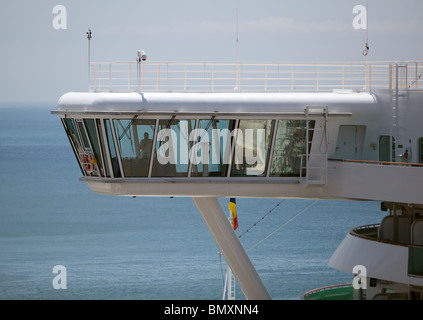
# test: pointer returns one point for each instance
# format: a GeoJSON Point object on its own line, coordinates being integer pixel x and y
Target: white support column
{"type": "Point", "coordinates": [228, 242]}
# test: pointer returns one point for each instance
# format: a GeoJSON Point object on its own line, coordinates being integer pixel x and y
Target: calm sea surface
{"type": "Point", "coordinates": [143, 248]}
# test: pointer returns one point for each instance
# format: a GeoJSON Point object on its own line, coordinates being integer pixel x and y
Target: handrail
{"type": "Point", "coordinates": [355, 232]}
{"type": "Point", "coordinates": [202, 76]}
{"type": "Point", "coordinates": [326, 288]}
{"type": "Point", "coordinates": [408, 164]}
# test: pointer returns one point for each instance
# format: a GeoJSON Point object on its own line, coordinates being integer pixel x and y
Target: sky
{"type": "Point", "coordinates": [39, 61]}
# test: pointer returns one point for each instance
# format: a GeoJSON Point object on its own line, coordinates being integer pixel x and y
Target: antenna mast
{"type": "Point", "coordinates": [366, 48]}
{"type": "Point", "coordinates": [89, 36]}
{"type": "Point", "coordinates": [237, 36]}
{"type": "Point", "coordinates": [237, 61]}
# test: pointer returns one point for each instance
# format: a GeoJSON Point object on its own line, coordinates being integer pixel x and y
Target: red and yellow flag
{"type": "Point", "coordinates": [232, 208]}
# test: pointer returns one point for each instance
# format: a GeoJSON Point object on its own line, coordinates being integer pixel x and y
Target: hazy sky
{"type": "Point", "coordinates": [40, 63]}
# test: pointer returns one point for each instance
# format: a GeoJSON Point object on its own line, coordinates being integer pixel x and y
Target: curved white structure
{"type": "Point", "coordinates": [358, 142]}
{"type": "Point", "coordinates": [380, 259]}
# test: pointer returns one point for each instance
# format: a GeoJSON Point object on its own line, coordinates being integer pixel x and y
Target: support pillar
{"type": "Point", "coordinates": [228, 242]}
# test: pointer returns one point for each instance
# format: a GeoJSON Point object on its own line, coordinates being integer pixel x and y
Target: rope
{"type": "Point", "coordinates": [269, 212]}
{"type": "Point", "coordinates": [274, 231]}
{"type": "Point", "coordinates": [282, 225]}
{"type": "Point", "coordinates": [220, 252]}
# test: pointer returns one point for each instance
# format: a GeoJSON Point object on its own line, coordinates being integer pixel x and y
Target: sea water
{"type": "Point", "coordinates": [144, 248]}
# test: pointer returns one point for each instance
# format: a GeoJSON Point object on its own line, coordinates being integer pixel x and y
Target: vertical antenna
{"type": "Point", "coordinates": [237, 35]}
{"type": "Point", "coordinates": [367, 28]}
{"type": "Point", "coordinates": [366, 48]}
{"type": "Point", "coordinates": [89, 36]}
{"type": "Point", "coordinates": [237, 61]}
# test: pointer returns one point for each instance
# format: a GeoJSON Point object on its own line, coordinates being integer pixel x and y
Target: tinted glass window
{"type": "Point", "coordinates": [212, 147]}
{"type": "Point", "coordinates": [171, 154]}
{"type": "Point", "coordinates": [135, 141]}
{"type": "Point", "coordinates": [290, 145]}
{"type": "Point", "coordinates": [111, 145]}
{"type": "Point", "coordinates": [252, 148]}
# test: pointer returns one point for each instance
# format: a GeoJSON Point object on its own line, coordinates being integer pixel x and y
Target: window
{"type": "Point", "coordinates": [87, 157]}
{"type": "Point", "coordinates": [290, 145]}
{"type": "Point", "coordinates": [92, 133]}
{"type": "Point", "coordinates": [100, 129]}
{"type": "Point", "coordinates": [112, 150]}
{"type": "Point", "coordinates": [194, 148]}
{"type": "Point", "coordinates": [73, 134]}
{"type": "Point", "coordinates": [252, 148]}
{"type": "Point", "coordinates": [82, 134]}
{"type": "Point", "coordinates": [210, 153]}
{"type": "Point", "coordinates": [135, 141]}
{"type": "Point", "coordinates": [171, 152]}
{"type": "Point", "coordinates": [73, 139]}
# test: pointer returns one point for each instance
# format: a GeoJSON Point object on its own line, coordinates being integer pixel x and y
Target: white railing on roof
{"type": "Point", "coordinates": [198, 77]}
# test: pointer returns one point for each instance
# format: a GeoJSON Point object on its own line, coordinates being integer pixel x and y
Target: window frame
{"type": "Point", "coordinates": [106, 140]}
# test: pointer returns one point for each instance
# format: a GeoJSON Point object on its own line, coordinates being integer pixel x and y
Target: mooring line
{"type": "Point", "coordinates": [282, 225]}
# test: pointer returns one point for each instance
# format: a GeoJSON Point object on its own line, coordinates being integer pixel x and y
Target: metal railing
{"type": "Point", "coordinates": [371, 232]}
{"type": "Point", "coordinates": [384, 163]}
{"type": "Point", "coordinates": [199, 77]}
{"type": "Point", "coordinates": [344, 291]}
{"type": "Point", "coordinates": [408, 75]}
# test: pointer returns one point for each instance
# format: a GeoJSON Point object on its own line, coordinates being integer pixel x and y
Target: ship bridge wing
{"type": "Point", "coordinates": [215, 144]}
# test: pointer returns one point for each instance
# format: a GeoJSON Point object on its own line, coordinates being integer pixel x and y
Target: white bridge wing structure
{"type": "Point", "coordinates": [306, 135]}
{"type": "Point", "coordinates": [340, 144]}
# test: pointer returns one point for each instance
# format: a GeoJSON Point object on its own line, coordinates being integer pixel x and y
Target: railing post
{"type": "Point", "coordinates": [390, 78]}
{"type": "Point", "coordinates": [95, 77]}
{"type": "Point", "coordinates": [279, 79]}
{"type": "Point", "coordinates": [239, 77]}
{"type": "Point", "coordinates": [143, 79]}
{"type": "Point", "coordinates": [129, 77]}
{"type": "Point", "coordinates": [416, 75]}
{"type": "Point", "coordinates": [212, 77]}
{"type": "Point", "coordinates": [110, 77]}
{"type": "Point", "coordinates": [318, 75]}
{"type": "Point", "coordinates": [99, 79]}
{"type": "Point", "coordinates": [406, 76]}
{"type": "Point", "coordinates": [158, 77]}
{"type": "Point", "coordinates": [186, 79]}
{"type": "Point", "coordinates": [343, 77]}
{"type": "Point", "coordinates": [265, 77]}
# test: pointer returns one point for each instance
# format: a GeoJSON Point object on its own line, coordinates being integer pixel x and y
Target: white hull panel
{"type": "Point", "coordinates": [382, 260]}
{"type": "Point", "coordinates": [355, 181]}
